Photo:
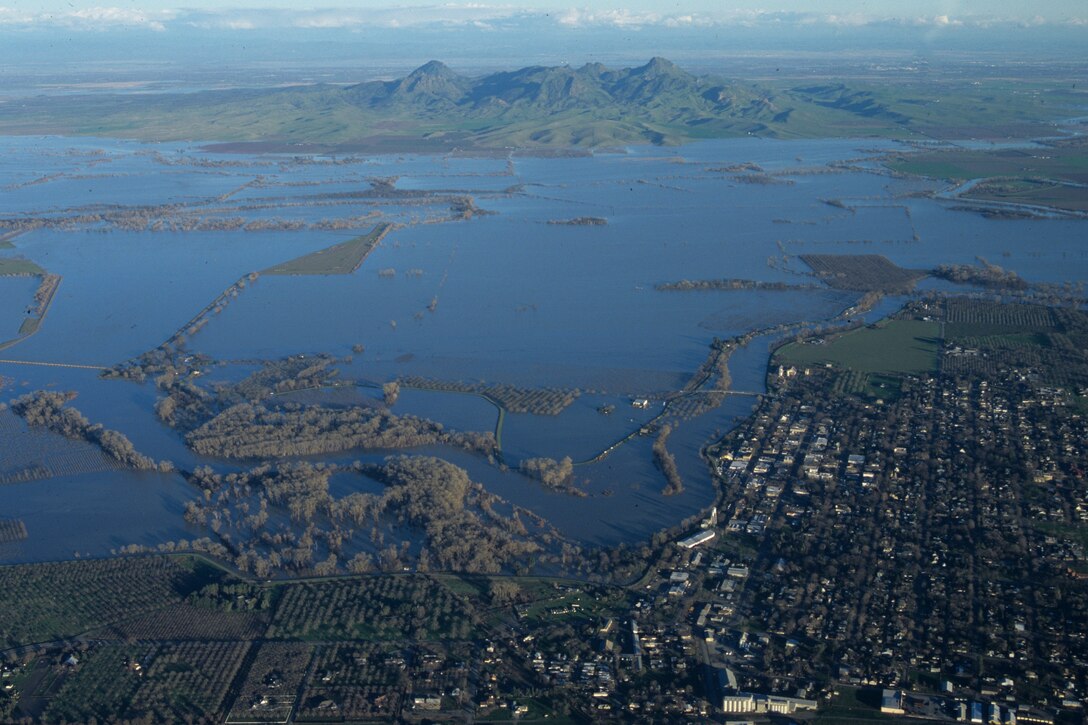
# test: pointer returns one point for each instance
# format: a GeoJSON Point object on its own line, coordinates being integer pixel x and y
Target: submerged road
{"type": "Point", "coordinates": [54, 364]}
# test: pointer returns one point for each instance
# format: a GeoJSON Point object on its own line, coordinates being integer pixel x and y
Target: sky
{"type": "Point", "coordinates": [161, 15]}
{"type": "Point", "coordinates": [385, 37]}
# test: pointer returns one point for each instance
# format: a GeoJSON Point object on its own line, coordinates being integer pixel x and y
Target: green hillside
{"type": "Point", "coordinates": [590, 106]}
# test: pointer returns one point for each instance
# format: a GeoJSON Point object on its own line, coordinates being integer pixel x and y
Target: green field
{"type": "Point", "coordinates": [12, 267]}
{"type": "Point", "coordinates": [1067, 162]}
{"type": "Point", "coordinates": [1047, 176]}
{"type": "Point", "coordinates": [343, 258]}
{"type": "Point", "coordinates": [896, 347]}
{"type": "Point", "coordinates": [852, 706]}
{"type": "Point", "coordinates": [1036, 192]}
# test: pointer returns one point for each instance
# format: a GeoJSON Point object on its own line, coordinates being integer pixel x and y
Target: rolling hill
{"type": "Point", "coordinates": [435, 107]}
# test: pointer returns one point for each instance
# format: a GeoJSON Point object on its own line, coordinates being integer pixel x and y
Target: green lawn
{"type": "Point", "coordinates": [851, 706]}
{"type": "Point", "coordinates": [896, 347]}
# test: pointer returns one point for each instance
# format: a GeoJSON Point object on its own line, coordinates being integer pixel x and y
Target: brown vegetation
{"type": "Point", "coordinates": [686, 285]}
{"type": "Point", "coordinates": [250, 431]}
{"type": "Point", "coordinates": [47, 409]}
{"type": "Point", "coordinates": [581, 221]}
{"type": "Point", "coordinates": [984, 274]}
{"type": "Point", "coordinates": [667, 463]}
{"type": "Point", "coordinates": [554, 474]}
{"type": "Point", "coordinates": [862, 272]}
{"type": "Point", "coordinates": [540, 401]}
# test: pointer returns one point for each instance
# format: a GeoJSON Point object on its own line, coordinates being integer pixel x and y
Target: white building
{"type": "Point", "coordinates": [696, 539]}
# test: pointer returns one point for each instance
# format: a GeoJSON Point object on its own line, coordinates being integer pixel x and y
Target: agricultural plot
{"type": "Point", "coordinates": [343, 258]}
{"type": "Point", "coordinates": [975, 317]}
{"type": "Point", "coordinates": [1046, 177]}
{"type": "Point", "coordinates": [987, 337]}
{"type": "Point", "coordinates": [375, 608]}
{"type": "Point", "coordinates": [185, 621]}
{"type": "Point", "coordinates": [862, 272]}
{"type": "Point", "coordinates": [1035, 192]}
{"type": "Point", "coordinates": [101, 685]}
{"type": "Point", "coordinates": [168, 682]}
{"type": "Point", "coordinates": [33, 454]}
{"type": "Point", "coordinates": [272, 683]}
{"type": "Point", "coordinates": [187, 680]}
{"type": "Point", "coordinates": [43, 602]}
{"type": "Point", "coordinates": [355, 681]}
{"type": "Point", "coordinates": [1067, 161]}
{"type": "Point", "coordinates": [12, 530]}
{"type": "Point", "coordinates": [536, 401]}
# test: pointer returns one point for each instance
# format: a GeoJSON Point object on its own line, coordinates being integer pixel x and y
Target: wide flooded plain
{"type": "Point", "coordinates": [525, 272]}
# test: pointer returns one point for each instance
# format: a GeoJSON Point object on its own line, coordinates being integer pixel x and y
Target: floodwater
{"type": "Point", "coordinates": [506, 297]}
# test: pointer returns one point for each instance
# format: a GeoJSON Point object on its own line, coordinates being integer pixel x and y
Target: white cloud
{"type": "Point", "coordinates": [473, 14]}
{"type": "Point", "coordinates": [96, 18]}
{"type": "Point", "coordinates": [488, 16]}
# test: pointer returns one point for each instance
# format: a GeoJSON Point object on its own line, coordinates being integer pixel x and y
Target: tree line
{"type": "Point", "coordinates": [49, 409]}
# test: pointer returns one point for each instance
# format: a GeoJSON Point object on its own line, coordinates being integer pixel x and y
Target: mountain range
{"type": "Point", "coordinates": [589, 106]}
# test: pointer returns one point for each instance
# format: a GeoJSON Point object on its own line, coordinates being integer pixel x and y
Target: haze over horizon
{"type": "Point", "coordinates": [382, 39]}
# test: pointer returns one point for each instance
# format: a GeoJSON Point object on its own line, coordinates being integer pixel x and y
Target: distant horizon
{"type": "Point", "coordinates": [338, 54]}
{"type": "Point", "coordinates": [160, 15]}
{"type": "Point", "coordinates": [204, 30]}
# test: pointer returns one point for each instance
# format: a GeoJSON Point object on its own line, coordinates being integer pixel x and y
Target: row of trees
{"type": "Point", "coordinates": [49, 409]}
{"type": "Point", "coordinates": [667, 462]}
{"type": "Point", "coordinates": [983, 274]}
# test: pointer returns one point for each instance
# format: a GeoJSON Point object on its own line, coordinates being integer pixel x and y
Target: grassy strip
{"type": "Point", "coordinates": [343, 258]}
{"type": "Point", "coordinates": [19, 268]}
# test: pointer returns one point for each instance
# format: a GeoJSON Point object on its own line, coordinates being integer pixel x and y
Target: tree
{"type": "Point", "coordinates": [391, 391]}
{"type": "Point", "coordinates": [503, 591]}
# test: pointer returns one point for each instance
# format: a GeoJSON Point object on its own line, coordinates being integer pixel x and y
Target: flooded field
{"type": "Point", "coordinates": [490, 276]}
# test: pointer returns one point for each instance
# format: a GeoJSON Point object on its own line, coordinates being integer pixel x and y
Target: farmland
{"type": "Point", "coordinates": [12, 530]}
{"type": "Point", "coordinates": [31, 454]}
{"type": "Point", "coordinates": [1035, 192]}
{"type": "Point", "coordinates": [1052, 175]}
{"type": "Point", "coordinates": [985, 338]}
{"type": "Point", "coordinates": [43, 602]}
{"type": "Point", "coordinates": [861, 272]}
{"type": "Point", "coordinates": [543, 401]}
{"type": "Point", "coordinates": [383, 608]}
{"type": "Point", "coordinates": [894, 347]}
{"type": "Point", "coordinates": [361, 680]}
{"type": "Point", "coordinates": [1066, 161]}
{"type": "Point", "coordinates": [171, 639]}
{"type": "Point", "coordinates": [164, 682]}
